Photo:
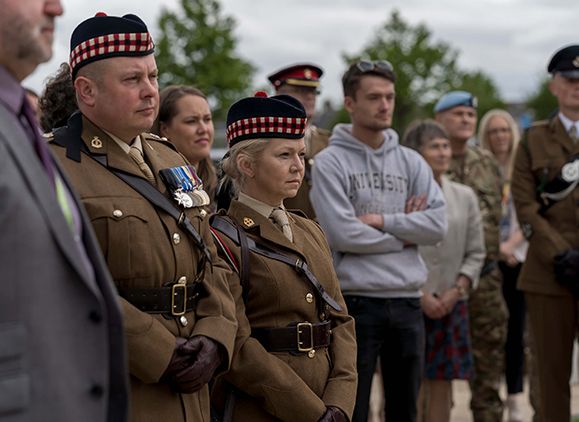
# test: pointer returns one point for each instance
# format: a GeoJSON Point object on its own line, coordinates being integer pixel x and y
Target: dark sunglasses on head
{"type": "Point", "coordinates": [369, 65]}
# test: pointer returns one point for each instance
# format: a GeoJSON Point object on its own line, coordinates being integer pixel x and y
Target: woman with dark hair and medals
{"type": "Point", "coordinates": [295, 351]}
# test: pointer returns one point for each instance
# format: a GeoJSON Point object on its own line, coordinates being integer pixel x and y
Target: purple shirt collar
{"type": "Point", "coordinates": [11, 92]}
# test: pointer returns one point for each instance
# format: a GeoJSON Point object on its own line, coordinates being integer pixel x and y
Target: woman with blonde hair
{"type": "Point", "coordinates": [295, 352]}
{"type": "Point", "coordinates": [499, 133]}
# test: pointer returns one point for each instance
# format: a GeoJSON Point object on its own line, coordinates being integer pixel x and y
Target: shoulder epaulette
{"type": "Point", "coordinates": [153, 137]}
{"type": "Point", "coordinates": [297, 212]}
{"type": "Point", "coordinates": [540, 123]}
{"type": "Point", "coordinates": [484, 153]}
{"type": "Point", "coordinates": [481, 153]}
{"type": "Point", "coordinates": [156, 138]}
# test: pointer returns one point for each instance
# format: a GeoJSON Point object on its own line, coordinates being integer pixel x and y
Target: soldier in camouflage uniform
{"type": "Point", "coordinates": [302, 81]}
{"type": "Point", "coordinates": [476, 168]}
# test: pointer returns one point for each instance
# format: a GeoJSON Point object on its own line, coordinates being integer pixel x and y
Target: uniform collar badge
{"type": "Point", "coordinates": [248, 222]}
{"type": "Point", "coordinates": [96, 142]}
{"type": "Point", "coordinates": [186, 186]}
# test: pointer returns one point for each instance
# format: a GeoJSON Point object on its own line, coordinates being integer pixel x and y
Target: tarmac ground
{"type": "Point", "coordinates": [461, 411]}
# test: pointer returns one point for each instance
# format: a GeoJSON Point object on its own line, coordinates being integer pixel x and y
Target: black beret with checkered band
{"type": "Point", "coordinates": [102, 36]}
{"type": "Point", "coordinates": [280, 116]}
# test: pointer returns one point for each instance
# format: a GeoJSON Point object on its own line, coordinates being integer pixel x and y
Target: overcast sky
{"type": "Point", "coordinates": [510, 40]}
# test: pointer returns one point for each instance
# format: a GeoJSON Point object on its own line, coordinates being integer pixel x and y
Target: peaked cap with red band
{"type": "Point", "coordinates": [304, 74]}
{"type": "Point", "coordinates": [102, 36]}
{"type": "Point", "coordinates": [280, 116]}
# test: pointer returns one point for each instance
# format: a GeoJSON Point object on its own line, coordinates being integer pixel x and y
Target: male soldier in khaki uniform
{"type": "Point", "coordinates": [179, 315]}
{"type": "Point", "coordinates": [476, 168]}
{"type": "Point", "coordinates": [302, 81]}
{"type": "Point", "coordinates": [546, 198]}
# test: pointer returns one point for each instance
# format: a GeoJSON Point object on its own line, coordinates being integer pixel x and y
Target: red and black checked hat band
{"type": "Point", "coordinates": [105, 36]}
{"type": "Point", "coordinates": [259, 117]}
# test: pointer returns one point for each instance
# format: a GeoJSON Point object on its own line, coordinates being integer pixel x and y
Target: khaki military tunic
{"type": "Point", "coordinates": [285, 386]}
{"type": "Point", "coordinates": [145, 248]}
{"type": "Point", "coordinates": [316, 139]}
{"type": "Point", "coordinates": [487, 309]}
{"type": "Point", "coordinates": [540, 156]}
{"type": "Point", "coordinates": [552, 309]}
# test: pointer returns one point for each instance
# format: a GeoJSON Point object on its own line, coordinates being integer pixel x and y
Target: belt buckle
{"type": "Point", "coordinates": [299, 266]}
{"type": "Point", "coordinates": [300, 329]}
{"type": "Point", "coordinates": [174, 306]}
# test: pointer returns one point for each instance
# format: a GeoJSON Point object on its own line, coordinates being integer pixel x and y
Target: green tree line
{"type": "Point", "coordinates": [198, 47]}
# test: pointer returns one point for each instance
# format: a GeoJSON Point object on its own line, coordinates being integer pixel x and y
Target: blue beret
{"type": "Point", "coordinates": [565, 62]}
{"type": "Point", "coordinates": [280, 116]}
{"type": "Point", "coordinates": [102, 36]}
{"type": "Point", "coordinates": [454, 99]}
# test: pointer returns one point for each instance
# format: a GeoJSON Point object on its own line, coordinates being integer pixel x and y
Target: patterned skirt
{"type": "Point", "coordinates": [448, 349]}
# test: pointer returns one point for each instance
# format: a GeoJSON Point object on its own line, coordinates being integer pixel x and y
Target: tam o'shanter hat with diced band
{"type": "Point", "coordinates": [102, 36]}
{"type": "Point", "coordinates": [280, 116]}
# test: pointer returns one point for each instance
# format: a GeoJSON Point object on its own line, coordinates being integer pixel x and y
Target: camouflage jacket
{"type": "Point", "coordinates": [479, 170]}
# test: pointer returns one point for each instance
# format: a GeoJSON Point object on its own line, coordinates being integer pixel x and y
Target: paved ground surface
{"type": "Point", "coordinates": [461, 411]}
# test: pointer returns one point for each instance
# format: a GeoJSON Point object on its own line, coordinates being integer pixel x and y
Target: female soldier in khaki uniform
{"type": "Point", "coordinates": [295, 352]}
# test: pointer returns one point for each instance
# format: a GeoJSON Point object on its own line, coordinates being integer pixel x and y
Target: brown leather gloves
{"type": "Point", "coordinates": [193, 364]}
{"type": "Point", "coordinates": [333, 414]}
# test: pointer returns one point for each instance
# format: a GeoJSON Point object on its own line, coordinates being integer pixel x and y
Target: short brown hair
{"type": "Point", "coordinates": [352, 77]}
{"type": "Point", "coordinates": [422, 131]}
{"type": "Point", "coordinates": [168, 98]}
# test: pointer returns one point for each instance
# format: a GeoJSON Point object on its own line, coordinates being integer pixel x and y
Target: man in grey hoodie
{"type": "Point", "coordinates": [377, 201]}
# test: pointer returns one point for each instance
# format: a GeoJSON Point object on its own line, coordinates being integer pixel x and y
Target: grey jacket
{"type": "Point", "coordinates": [62, 355]}
{"type": "Point", "coordinates": [462, 250]}
{"type": "Point", "coordinates": [351, 179]}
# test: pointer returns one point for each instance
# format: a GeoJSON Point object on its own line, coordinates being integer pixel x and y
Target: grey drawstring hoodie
{"type": "Point", "coordinates": [351, 179]}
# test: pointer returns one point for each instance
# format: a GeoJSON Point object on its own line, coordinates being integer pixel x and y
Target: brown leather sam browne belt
{"type": "Point", "coordinates": [175, 299]}
{"type": "Point", "coordinates": [300, 338]}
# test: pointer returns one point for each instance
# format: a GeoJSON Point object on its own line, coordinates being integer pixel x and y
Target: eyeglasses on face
{"type": "Point", "coordinates": [499, 130]}
{"type": "Point", "coordinates": [370, 65]}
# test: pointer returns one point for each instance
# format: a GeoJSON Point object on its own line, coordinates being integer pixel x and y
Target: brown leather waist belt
{"type": "Point", "coordinates": [176, 299]}
{"type": "Point", "coordinates": [301, 337]}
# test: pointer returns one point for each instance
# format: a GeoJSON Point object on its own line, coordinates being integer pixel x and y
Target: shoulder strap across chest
{"type": "Point", "coordinates": [70, 138]}
{"type": "Point", "coordinates": [226, 226]}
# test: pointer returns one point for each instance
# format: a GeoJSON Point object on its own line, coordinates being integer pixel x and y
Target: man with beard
{"type": "Point", "coordinates": [376, 201]}
{"type": "Point", "coordinates": [62, 355]}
